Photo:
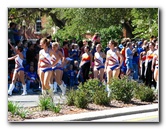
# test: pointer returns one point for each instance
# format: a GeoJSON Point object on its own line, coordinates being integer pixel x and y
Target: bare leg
{"type": "Point", "coordinates": [12, 85]}
{"type": "Point", "coordinates": [101, 74]}
{"type": "Point", "coordinates": [47, 77]}
{"type": "Point", "coordinates": [116, 73]}
{"type": "Point", "coordinates": [21, 76]}
{"type": "Point", "coordinates": [95, 73]}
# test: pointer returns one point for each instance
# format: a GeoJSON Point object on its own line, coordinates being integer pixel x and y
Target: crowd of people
{"type": "Point", "coordinates": [47, 64]}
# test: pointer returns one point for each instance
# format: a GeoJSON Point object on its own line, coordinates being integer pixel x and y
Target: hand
{"type": "Point", "coordinates": [152, 69]}
{"type": "Point", "coordinates": [105, 70]}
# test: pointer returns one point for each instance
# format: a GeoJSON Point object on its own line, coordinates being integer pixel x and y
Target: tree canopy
{"type": "Point", "coordinates": [74, 22]}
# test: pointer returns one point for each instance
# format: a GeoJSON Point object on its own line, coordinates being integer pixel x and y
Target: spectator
{"type": "Point", "coordinates": [129, 57]}
{"type": "Point", "coordinates": [135, 62]}
{"type": "Point", "coordinates": [86, 62]}
{"type": "Point", "coordinates": [65, 49]}
{"type": "Point", "coordinates": [17, 35]}
{"type": "Point", "coordinates": [155, 67]}
{"type": "Point", "coordinates": [30, 54]}
{"type": "Point", "coordinates": [142, 59]}
{"type": "Point", "coordinates": [32, 79]}
{"type": "Point", "coordinates": [148, 64]}
{"type": "Point", "coordinates": [78, 72]}
{"type": "Point", "coordinates": [85, 43]}
{"type": "Point", "coordinates": [11, 33]}
{"type": "Point", "coordinates": [71, 76]}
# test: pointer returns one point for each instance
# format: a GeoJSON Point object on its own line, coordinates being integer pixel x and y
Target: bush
{"type": "Point", "coordinates": [54, 108]}
{"type": "Point", "coordinates": [13, 107]}
{"type": "Point", "coordinates": [44, 102]}
{"type": "Point", "coordinates": [90, 87]}
{"type": "Point", "coordinates": [144, 93]}
{"type": "Point", "coordinates": [100, 97]}
{"type": "Point", "coordinates": [70, 97]}
{"type": "Point", "coordinates": [122, 89]}
{"type": "Point", "coordinates": [81, 99]}
{"type": "Point", "coordinates": [16, 109]}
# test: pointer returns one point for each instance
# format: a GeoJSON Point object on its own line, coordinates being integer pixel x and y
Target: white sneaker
{"type": "Point", "coordinates": [63, 88]}
{"type": "Point", "coordinates": [24, 93]}
{"type": "Point", "coordinates": [9, 93]}
{"type": "Point", "coordinates": [55, 90]}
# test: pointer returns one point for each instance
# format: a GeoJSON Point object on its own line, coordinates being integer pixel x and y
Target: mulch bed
{"type": "Point", "coordinates": [35, 112]}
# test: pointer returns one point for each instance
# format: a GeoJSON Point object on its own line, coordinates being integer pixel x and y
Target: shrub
{"type": "Point", "coordinates": [13, 107]}
{"type": "Point", "coordinates": [144, 93]}
{"type": "Point", "coordinates": [70, 97]}
{"type": "Point", "coordinates": [100, 97]}
{"type": "Point", "coordinates": [81, 99]}
{"type": "Point", "coordinates": [44, 102]}
{"type": "Point", "coordinates": [16, 109]}
{"type": "Point", "coordinates": [54, 108]}
{"type": "Point", "coordinates": [23, 113]}
{"type": "Point", "coordinates": [90, 87]}
{"type": "Point", "coordinates": [122, 89]}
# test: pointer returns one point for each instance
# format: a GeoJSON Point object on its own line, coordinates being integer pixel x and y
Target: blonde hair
{"type": "Point", "coordinates": [56, 44]}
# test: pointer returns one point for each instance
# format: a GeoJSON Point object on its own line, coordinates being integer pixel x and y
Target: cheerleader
{"type": "Point", "coordinates": [58, 68]}
{"type": "Point", "coordinates": [98, 63]}
{"type": "Point", "coordinates": [18, 71]}
{"type": "Point", "coordinates": [112, 64]}
{"type": "Point", "coordinates": [44, 65]}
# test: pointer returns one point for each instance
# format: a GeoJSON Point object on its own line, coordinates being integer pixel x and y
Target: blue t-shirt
{"type": "Point", "coordinates": [32, 75]}
{"type": "Point", "coordinates": [128, 53]}
{"type": "Point", "coordinates": [71, 74]}
{"type": "Point", "coordinates": [135, 59]}
{"type": "Point", "coordinates": [75, 57]}
{"type": "Point", "coordinates": [139, 50]}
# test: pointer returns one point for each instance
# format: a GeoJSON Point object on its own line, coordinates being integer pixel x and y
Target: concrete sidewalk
{"type": "Point", "coordinates": [32, 100]}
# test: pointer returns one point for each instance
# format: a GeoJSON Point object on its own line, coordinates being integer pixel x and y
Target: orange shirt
{"type": "Point", "coordinates": [85, 57]}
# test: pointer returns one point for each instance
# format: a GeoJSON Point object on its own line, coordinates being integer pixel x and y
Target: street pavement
{"type": "Point", "coordinates": [32, 100]}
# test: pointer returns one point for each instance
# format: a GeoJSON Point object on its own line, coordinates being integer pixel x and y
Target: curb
{"type": "Point", "coordinates": [88, 116]}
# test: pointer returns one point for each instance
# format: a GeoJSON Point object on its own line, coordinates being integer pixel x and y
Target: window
{"type": "Point", "coordinates": [38, 27]}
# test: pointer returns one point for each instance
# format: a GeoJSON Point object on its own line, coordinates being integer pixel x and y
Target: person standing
{"type": "Point", "coordinates": [86, 62]}
{"type": "Point", "coordinates": [112, 64]}
{"type": "Point", "coordinates": [44, 65]}
{"type": "Point", "coordinates": [149, 81]}
{"type": "Point", "coordinates": [58, 68]}
{"type": "Point", "coordinates": [99, 63]}
{"type": "Point", "coordinates": [129, 52]}
{"type": "Point", "coordinates": [18, 71]}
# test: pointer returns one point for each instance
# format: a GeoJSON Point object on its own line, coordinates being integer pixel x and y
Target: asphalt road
{"type": "Point", "coordinates": [141, 117]}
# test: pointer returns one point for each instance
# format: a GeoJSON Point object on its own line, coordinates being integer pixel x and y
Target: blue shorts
{"type": "Point", "coordinates": [114, 66]}
{"type": "Point", "coordinates": [100, 67]}
{"type": "Point", "coordinates": [20, 69]}
{"type": "Point", "coordinates": [46, 69]}
{"type": "Point", "coordinates": [129, 64]}
{"type": "Point", "coordinates": [56, 68]}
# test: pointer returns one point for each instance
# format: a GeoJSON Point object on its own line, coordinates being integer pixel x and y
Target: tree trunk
{"type": "Point", "coordinates": [56, 21]}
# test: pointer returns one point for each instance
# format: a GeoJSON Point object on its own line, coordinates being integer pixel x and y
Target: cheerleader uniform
{"type": "Point", "coordinates": [113, 61]}
{"type": "Point", "coordinates": [44, 58]}
{"type": "Point", "coordinates": [98, 61]}
{"type": "Point", "coordinates": [19, 64]}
